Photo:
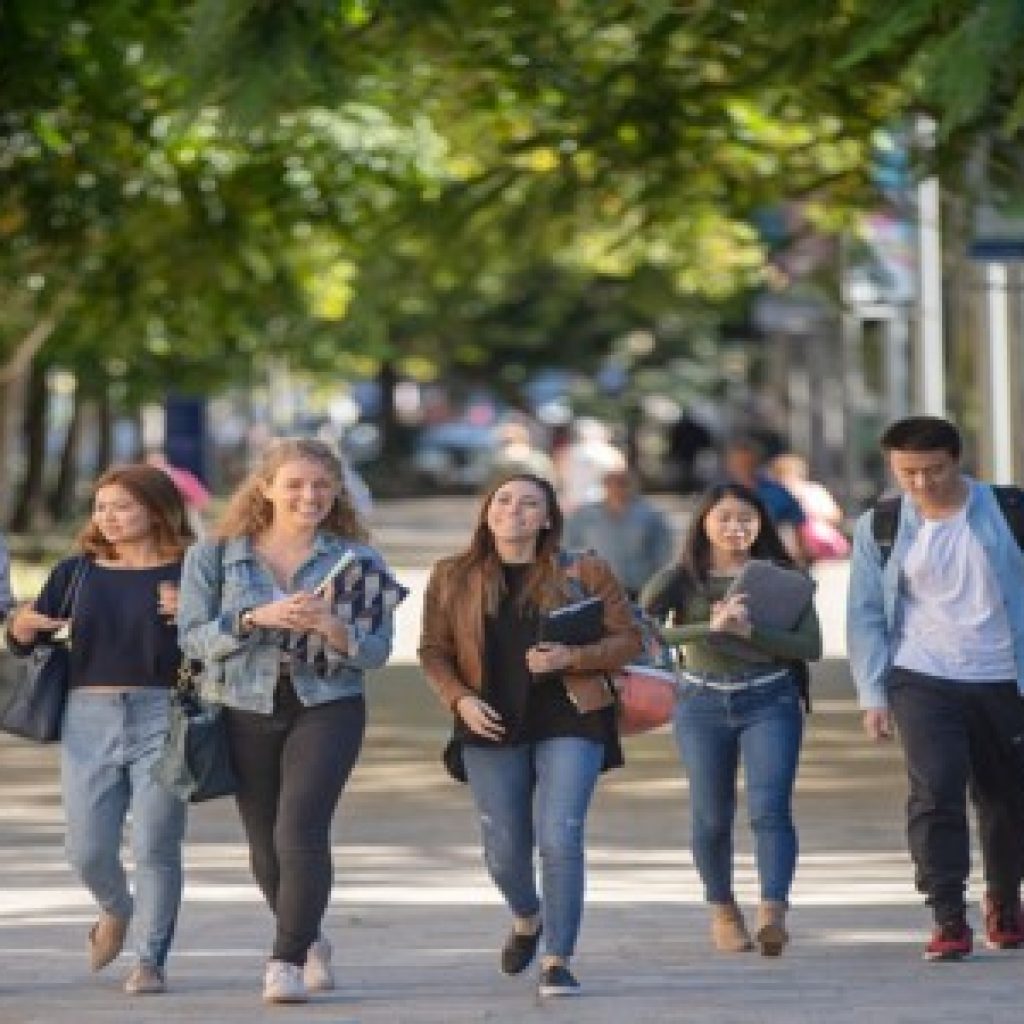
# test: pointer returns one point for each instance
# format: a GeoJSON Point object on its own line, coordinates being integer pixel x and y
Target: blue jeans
{"type": "Point", "coordinates": [764, 725]}
{"type": "Point", "coordinates": [557, 777]}
{"type": "Point", "coordinates": [108, 745]}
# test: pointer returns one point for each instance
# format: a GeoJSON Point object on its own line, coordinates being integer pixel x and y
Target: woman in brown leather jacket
{"type": "Point", "coordinates": [535, 720]}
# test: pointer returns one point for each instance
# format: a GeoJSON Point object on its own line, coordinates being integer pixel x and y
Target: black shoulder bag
{"type": "Point", "coordinates": [195, 761]}
{"type": "Point", "coordinates": [36, 707]}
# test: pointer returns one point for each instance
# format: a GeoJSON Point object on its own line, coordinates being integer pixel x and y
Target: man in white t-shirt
{"type": "Point", "coordinates": [935, 630]}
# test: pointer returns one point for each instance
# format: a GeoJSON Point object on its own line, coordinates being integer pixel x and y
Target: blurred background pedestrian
{"type": "Point", "coordinates": [624, 528]}
{"type": "Point", "coordinates": [821, 536]}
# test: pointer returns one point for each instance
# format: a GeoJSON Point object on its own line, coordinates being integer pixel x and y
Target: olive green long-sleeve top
{"type": "Point", "coordinates": [672, 593]}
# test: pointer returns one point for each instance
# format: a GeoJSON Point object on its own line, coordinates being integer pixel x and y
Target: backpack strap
{"type": "Point", "coordinates": [885, 522]}
{"type": "Point", "coordinates": [885, 518]}
{"type": "Point", "coordinates": [1011, 503]}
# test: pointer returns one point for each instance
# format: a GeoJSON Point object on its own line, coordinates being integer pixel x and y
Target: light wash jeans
{"type": "Point", "coordinates": [108, 745]}
{"type": "Point", "coordinates": [558, 776]}
{"type": "Point", "coordinates": [714, 729]}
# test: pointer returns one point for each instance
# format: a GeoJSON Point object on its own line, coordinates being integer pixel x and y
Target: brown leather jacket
{"type": "Point", "coordinates": [451, 647]}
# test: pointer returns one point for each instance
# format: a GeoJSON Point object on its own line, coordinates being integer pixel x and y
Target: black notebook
{"type": "Point", "coordinates": [581, 622]}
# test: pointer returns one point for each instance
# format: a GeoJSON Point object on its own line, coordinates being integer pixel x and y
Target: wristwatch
{"type": "Point", "coordinates": [243, 622]}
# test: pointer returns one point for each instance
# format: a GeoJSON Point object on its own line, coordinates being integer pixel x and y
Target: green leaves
{"type": "Point", "coordinates": [397, 176]}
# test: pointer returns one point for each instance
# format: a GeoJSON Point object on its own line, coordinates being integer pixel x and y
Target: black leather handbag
{"type": "Point", "coordinates": [195, 761]}
{"type": "Point", "coordinates": [36, 707]}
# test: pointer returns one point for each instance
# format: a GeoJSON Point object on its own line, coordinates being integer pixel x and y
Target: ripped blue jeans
{"type": "Point", "coordinates": [537, 795]}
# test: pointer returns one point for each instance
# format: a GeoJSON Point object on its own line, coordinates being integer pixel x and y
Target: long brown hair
{"type": "Point", "coordinates": [249, 513]}
{"type": "Point", "coordinates": [156, 492]}
{"type": "Point", "coordinates": [540, 586]}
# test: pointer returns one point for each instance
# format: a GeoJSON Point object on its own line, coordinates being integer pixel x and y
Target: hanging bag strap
{"type": "Point", "coordinates": [70, 600]}
{"type": "Point", "coordinates": [190, 670]}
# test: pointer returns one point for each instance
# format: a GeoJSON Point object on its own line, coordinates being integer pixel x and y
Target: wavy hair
{"type": "Point", "coordinates": [156, 492]}
{"type": "Point", "coordinates": [540, 587]}
{"type": "Point", "coordinates": [249, 513]}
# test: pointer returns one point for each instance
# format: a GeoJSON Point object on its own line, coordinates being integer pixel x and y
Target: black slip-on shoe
{"type": "Point", "coordinates": [558, 980]}
{"type": "Point", "coordinates": [519, 950]}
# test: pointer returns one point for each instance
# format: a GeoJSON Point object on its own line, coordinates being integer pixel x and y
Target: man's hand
{"type": "Point", "coordinates": [878, 723]}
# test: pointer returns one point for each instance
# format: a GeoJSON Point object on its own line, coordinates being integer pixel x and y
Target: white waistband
{"type": "Point", "coordinates": [721, 683]}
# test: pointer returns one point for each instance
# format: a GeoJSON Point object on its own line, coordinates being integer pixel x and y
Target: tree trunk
{"type": "Point", "coordinates": [104, 428]}
{"type": "Point", "coordinates": [14, 372]}
{"type": "Point", "coordinates": [138, 452]}
{"type": "Point", "coordinates": [62, 498]}
{"type": "Point", "coordinates": [29, 508]}
{"type": "Point", "coordinates": [12, 396]}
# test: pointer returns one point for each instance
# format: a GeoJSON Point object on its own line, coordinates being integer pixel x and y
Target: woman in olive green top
{"type": "Point", "coordinates": [738, 700]}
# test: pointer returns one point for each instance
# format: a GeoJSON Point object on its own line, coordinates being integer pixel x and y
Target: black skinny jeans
{"type": "Point", "coordinates": [292, 767]}
{"type": "Point", "coordinates": [961, 738]}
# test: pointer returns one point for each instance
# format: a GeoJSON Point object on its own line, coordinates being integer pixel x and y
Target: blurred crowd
{"type": "Point", "coordinates": [599, 488]}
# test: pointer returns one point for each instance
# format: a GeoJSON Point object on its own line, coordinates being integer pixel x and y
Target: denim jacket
{"type": "Point", "coordinates": [6, 597]}
{"type": "Point", "coordinates": [872, 606]}
{"type": "Point", "coordinates": [218, 582]}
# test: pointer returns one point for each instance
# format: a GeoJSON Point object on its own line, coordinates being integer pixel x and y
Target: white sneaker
{"type": "Point", "coordinates": [317, 973]}
{"type": "Point", "coordinates": [282, 983]}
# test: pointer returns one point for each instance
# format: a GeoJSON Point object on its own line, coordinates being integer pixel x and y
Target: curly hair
{"type": "Point", "coordinates": [155, 491]}
{"type": "Point", "coordinates": [249, 513]}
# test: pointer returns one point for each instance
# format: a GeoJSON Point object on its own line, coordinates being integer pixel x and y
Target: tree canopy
{"type": "Point", "coordinates": [187, 184]}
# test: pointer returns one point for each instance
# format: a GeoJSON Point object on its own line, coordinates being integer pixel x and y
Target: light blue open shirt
{"type": "Point", "coordinates": [872, 604]}
{"type": "Point", "coordinates": [218, 581]}
{"type": "Point", "coordinates": [6, 595]}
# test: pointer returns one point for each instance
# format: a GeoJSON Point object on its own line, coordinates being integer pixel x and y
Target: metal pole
{"type": "Point", "coordinates": [1000, 408]}
{"type": "Point", "coordinates": [931, 368]}
{"type": "Point", "coordinates": [851, 365]}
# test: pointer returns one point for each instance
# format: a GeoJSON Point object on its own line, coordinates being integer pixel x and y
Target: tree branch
{"type": "Point", "coordinates": [26, 349]}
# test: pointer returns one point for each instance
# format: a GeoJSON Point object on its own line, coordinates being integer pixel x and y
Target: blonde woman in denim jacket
{"type": "Point", "coordinates": [290, 673]}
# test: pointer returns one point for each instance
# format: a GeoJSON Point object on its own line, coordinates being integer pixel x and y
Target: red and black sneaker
{"type": "Point", "coordinates": [1004, 924]}
{"type": "Point", "coordinates": [952, 940]}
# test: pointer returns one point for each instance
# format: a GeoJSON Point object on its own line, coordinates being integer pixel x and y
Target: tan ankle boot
{"type": "Point", "coordinates": [728, 929]}
{"type": "Point", "coordinates": [771, 928]}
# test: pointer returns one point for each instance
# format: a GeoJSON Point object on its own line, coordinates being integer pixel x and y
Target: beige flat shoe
{"type": "Point", "coordinates": [106, 940]}
{"type": "Point", "coordinates": [145, 980]}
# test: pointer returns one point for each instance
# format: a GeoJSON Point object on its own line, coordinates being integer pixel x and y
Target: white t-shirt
{"type": "Point", "coordinates": [953, 623]}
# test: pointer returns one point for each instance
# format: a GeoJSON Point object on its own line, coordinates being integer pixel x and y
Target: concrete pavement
{"type": "Point", "coordinates": [416, 924]}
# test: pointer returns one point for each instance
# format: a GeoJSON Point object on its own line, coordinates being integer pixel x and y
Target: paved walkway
{"type": "Point", "coordinates": [416, 924]}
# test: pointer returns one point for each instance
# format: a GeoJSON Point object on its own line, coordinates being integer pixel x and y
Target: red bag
{"type": "Point", "coordinates": [646, 698]}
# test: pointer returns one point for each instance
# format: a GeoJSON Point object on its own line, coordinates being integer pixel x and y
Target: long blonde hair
{"type": "Point", "coordinates": [249, 513]}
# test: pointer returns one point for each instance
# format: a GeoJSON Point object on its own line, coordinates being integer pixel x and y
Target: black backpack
{"type": "Point", "coordinates": [885, 518]}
